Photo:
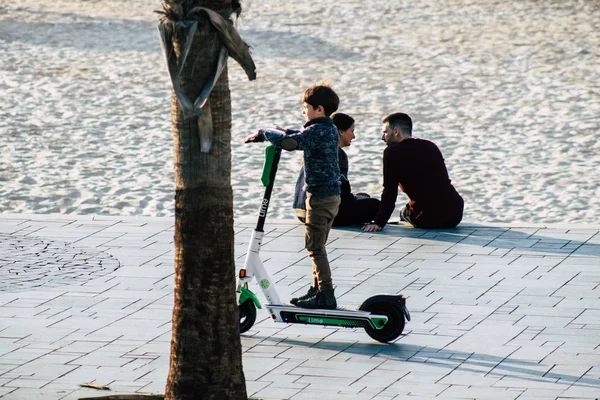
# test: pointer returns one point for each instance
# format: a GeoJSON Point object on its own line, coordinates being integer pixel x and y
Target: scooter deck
{"type": "Point", "coordinates": [341, 311]}
{"type": "Point", "coordinates": [338, 317]}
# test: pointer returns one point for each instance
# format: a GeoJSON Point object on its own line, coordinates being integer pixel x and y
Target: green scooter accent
{"type": "Point", "coordinates": [247, 294]}
{"type": "Point", "coordinates": [268, 165]}
{"type": "Point", "coordinates": [376, 322]}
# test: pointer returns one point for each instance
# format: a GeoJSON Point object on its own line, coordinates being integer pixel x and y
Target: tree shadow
{"type": "Point", "coordinates": [98, 35]}
{"type": "Point", "coordinates": [474, 362]}
{"type": "Point", "coordinates": [113, 35]}
{"type": "Point", "coordinates": [282, 44]}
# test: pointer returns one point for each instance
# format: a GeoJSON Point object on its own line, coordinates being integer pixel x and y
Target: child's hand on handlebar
{"type": "Point", "coordinates": [256, 137]}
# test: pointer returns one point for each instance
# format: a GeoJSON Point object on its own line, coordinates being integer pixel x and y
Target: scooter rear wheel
{"type": "Point", "coordinates": [393, 327]}
{"type": "Point", "coordinates": [247, 311]}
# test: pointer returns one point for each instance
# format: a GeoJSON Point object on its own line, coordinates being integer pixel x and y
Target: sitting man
{"type": "Point", "coordinates": [417, 167]}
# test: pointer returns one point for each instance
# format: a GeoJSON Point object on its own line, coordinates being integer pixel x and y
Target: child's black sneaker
{"type": "Point", "coordinates": [311, 292]}
{"type": "Point", "coordinates": [324, 298]}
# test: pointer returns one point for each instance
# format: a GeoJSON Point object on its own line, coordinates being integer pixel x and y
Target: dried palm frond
{"type": "Point", "coordinates": [236, 8]}
{"type": "Point", "coordinates": [172, 10]}
{"type": "Point", "coordinates": [177, 10]}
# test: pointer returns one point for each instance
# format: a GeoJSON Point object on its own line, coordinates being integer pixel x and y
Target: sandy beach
{"type": "Point", "coordinates": [510, 92]}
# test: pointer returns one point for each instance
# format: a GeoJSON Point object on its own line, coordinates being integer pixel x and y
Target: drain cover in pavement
{"type": "Point", "coordinates": [30, 262]}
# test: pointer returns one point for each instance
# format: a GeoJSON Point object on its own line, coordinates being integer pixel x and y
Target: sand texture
{"type": "Point", "coordinates": [510, 91]}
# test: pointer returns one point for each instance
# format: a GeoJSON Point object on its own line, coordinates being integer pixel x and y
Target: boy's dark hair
{"type": "Point", "coordinates": [321, 94]}
{"type": "Point", "coordinates": [399, 120]}
{"type": "Point", "coordinates": [342, 121]}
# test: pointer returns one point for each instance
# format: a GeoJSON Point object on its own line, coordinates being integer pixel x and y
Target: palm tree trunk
{"type": "Point", "coordinates": [206, 356]}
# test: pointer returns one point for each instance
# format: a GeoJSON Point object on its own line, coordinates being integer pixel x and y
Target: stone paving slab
{"type": "Point", "coordinates": [499, 311]}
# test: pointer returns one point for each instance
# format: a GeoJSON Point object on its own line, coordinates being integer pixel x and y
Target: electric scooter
{"type": "Point", "coordinates": [382, 316]}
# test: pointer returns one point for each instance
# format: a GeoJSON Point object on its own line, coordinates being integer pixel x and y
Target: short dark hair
{"type": "Point", "coordinates": [399, 120]}
{"type": "Point", "coordinates": [321, 94]}
{"type": "Point", "coordinates": [342, 121]}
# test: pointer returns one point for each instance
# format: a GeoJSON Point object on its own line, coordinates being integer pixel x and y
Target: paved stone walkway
{"type": "Point", "coordinates": [499, 312]}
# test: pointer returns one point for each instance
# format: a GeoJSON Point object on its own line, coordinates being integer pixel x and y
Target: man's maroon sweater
{"type": "Point", "coordinates": [417, 167]}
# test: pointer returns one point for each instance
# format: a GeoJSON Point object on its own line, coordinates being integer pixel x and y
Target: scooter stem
{"type": "Point", "coordinates": [255, 268]}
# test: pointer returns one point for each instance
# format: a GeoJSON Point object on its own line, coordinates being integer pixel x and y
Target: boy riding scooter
{"type": "Point", "coordinates": [382, 316]}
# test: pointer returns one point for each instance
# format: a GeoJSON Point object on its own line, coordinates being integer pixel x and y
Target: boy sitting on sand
{"type": "Point", "coordinates": [319, 141]}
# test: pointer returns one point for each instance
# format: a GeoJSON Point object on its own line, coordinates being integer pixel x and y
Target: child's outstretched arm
{"type": "Point", "coordinates": [285, 140]}
{"type": "Point", "coordinates": [256, 137]}
{"type": "Point", "coordinates": [286, 131]}
{"type": "Point", "coordinates": [259, 136]}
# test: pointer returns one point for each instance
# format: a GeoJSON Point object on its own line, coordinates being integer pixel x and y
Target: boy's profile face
{"type": "Point", "coordinates": [310, 112]}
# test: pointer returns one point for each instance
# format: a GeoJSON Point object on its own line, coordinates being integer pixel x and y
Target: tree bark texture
{"type": "Point", "coordinates": [206, 356]}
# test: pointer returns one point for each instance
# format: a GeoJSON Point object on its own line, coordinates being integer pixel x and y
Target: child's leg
{"type": "Point", "coordinates": [320, 213]}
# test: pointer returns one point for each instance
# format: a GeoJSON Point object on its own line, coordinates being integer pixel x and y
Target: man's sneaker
{"type": "Point", "coordinates": [324, 298]}
{"type": "Point", "coordinates": [311, 292]}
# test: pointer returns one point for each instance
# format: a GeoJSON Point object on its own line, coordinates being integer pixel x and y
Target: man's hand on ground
{"type": "Point", "coordinates": [254, 138]}
{"type": "Point", "coordinates": [371, 228]}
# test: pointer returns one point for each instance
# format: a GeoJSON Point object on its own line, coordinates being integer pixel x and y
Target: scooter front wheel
{"type": "Point", "coordinates": [392, 328]}
{"type": "Point", "coordinates": [247, 311]}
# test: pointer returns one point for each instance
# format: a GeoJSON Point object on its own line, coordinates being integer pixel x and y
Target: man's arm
{"type": "Point", "coordinates": [388, 196]}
